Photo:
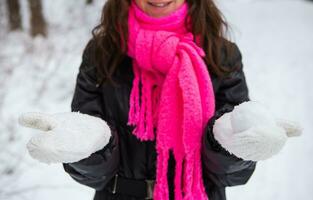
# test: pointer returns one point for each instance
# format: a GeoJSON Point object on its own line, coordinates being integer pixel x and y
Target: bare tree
{"type": "Point", "coordinates": [37, 21]}
{"type": "Point", "coordinates": [14, 14]}
{"type": "Point", "coordinates": [89, 1]}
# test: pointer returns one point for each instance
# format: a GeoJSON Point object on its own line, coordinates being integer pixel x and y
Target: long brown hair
{"type": "Point", "coordinates": [206, 19]}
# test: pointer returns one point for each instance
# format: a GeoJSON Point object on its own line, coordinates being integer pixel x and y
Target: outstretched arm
{"type": "Point", "coordinates": [220, 167]}
{"type": "Point", "coordinates": [97, 169]}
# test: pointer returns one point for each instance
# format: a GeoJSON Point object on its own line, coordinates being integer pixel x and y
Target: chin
{"type": "Point", "coordinates": [159, 8]}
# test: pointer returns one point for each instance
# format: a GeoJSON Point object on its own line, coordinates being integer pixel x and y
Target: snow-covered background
{"type": "Point", "coordinates": [275, 38]}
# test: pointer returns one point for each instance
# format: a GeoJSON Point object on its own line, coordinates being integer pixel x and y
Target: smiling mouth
{"type": "Point", "coordinates": [160, 5]}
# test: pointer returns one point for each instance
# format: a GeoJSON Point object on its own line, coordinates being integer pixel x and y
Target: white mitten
{"type": "Point", "coordinates": [65, 137]}
{"type": "Point", "coordinates": [252, 133]}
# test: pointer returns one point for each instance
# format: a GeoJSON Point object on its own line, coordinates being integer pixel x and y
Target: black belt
{"type": "Point", "coordinates": [131, 187]}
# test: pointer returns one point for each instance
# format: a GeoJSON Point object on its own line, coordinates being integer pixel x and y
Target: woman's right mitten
{"type": "Point", "coordinates": [65, 137]}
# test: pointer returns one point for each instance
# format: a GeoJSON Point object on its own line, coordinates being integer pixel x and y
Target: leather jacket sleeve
{"type": "Point", "coordinates": [220, 167]}
{"type": "Point", "coordinates": [97, 169]}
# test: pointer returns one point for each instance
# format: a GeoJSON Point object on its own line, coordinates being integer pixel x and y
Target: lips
{"type": "Point", "coordinates": [159, 4]}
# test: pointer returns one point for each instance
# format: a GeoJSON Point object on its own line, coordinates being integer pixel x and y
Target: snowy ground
{"type": "Point", "coordinates": [276, 41]}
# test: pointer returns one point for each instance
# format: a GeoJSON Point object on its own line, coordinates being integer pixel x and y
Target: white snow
{"type": "Point", "coordinates": [276, 41]}
{"type": "Point", "coordinates": [275, 37]}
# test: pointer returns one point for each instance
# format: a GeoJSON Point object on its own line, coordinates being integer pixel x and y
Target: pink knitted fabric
{"type": "Point", "coordinates": [172, 97]}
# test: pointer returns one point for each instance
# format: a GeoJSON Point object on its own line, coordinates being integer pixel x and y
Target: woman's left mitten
{"type": "Point", "coordinates": [251, 132]}
{"type": "Point", "coordinates": [65, 137]}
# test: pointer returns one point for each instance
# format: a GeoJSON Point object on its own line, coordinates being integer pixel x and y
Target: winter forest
{"type": "Point", "coordinates": [41, 43]}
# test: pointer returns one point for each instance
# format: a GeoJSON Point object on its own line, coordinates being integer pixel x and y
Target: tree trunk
{"type": "Point", "coordinates": [14, 14]}
{"type": "Point", "coordinates": [88, 1]}
{"type": "Point", "coordinates": [37, 21]}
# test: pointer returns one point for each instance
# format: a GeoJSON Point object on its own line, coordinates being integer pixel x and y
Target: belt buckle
{"type": "Point", "coordinates": [150, 187]}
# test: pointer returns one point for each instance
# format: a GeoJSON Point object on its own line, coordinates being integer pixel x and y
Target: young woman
{"type": "Point", "coordinates": [105, 58]}
{"type": "Point", "coordinates": [160, 73]}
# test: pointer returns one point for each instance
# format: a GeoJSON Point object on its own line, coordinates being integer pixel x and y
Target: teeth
{"type": "Point", "coordinates": [159, 4]}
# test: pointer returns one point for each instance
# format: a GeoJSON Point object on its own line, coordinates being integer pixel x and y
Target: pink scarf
{"type": "Point", "coordinates": [177, 97]}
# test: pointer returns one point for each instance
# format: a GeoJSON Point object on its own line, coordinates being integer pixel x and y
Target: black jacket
{"type": "Point", "coordinates": [131, 158]}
